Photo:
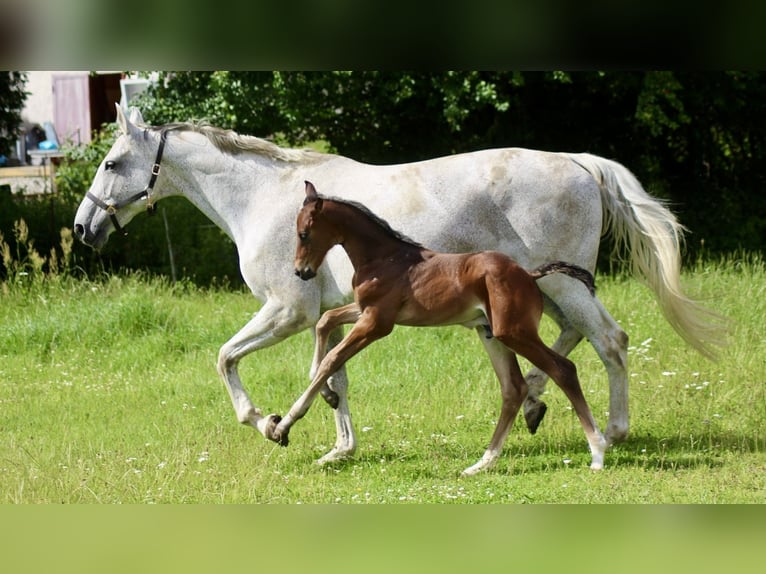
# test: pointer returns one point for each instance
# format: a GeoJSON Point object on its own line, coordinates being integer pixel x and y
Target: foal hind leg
{"type": "Point", "coordinates": [564, 373]}
{"type": "Point", "coordinates": [534, 407]}
{"type": "Point", "coordinates": [513, 388]}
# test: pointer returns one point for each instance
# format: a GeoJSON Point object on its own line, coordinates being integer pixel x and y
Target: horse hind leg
{"type": "Point", "coordinates": [513, 389]}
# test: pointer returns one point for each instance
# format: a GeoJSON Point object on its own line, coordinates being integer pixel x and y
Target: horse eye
{"type": "Point", "coordinates": [303, 236]}
{"type": "Point", "coordinates": [109, 165]}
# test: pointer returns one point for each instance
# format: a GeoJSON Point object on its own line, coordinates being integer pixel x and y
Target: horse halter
{"type": "Point", "coordinates": [111, 208]}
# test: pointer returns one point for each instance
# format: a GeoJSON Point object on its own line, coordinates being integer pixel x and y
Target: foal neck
{"type": "Point", "coordinates": [365, 237]}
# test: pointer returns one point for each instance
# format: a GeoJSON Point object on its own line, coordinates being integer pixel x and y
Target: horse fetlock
{"type": "Point", "coordinates": [337, 455]}
{"type": "Point", "coordinates": [249, 416]}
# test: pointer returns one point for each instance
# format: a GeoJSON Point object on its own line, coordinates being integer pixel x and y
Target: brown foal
{"type": "Point", "coordinates": [397, 281]}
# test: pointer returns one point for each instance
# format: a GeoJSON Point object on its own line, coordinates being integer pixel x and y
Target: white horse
{"type": "Point", "coordinates": [535, 206]}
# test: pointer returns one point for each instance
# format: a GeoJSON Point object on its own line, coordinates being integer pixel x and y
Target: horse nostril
{"type": "Point", "coordinates": [79, 230]}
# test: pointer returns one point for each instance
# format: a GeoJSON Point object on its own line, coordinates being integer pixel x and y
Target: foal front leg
{"type": "Point", "coordinates": [327, 323]}
{"type": "Point", "coordinates": [361, 335]}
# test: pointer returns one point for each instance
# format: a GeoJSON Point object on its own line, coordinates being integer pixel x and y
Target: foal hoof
{"type": "Point", "coordinates": [534, 416]}
{"type": "Point", "coordinates": [271, 431]}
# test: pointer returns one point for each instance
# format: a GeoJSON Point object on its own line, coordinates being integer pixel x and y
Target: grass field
{"type": "Point", "coordinates": [109, 394]}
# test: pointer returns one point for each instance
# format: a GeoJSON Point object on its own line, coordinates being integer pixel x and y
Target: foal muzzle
{"type": "Point", "coordinates": [306, 273]}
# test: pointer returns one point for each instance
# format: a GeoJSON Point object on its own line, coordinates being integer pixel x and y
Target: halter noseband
{"type": "Point", "coordinates": [111, 208]}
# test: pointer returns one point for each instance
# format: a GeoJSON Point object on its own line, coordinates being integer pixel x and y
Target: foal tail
{"type": "Point", "coordinates": [568, 269]}
{"type": "Point", "coordinates": [652, 237]}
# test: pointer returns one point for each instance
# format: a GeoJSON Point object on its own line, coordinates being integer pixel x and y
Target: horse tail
{"type": "Point", "coordinates": [567, 268]}
{"type": "Point", "coordinates": [651, 235]}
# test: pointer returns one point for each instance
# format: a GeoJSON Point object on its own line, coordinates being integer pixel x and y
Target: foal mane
{"type": "Point", "coordinates": [229, 141]}
{"type": "Point", "coordinates": [377, 220]}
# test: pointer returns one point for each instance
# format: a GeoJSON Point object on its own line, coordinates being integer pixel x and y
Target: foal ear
{"type": "Point", "coordinates": [312, 195]}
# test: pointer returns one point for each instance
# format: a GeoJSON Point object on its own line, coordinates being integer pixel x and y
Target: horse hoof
{"type": "Point", "coordinates": [534, 416]}
{"type": "Point", "coordinates": [271, 431]}
{"type": "Point", "coordinates": [330, 397]}
{"type": "Point", "coordinates": [615, 434]}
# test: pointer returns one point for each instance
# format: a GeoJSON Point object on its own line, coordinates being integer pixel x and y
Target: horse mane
{"type": "Point", "coordinates": [379, 221]}
{"type": "Point", "coordinates": [229, 141]}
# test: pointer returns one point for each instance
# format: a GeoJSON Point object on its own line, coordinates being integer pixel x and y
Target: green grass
{"type": "Point", "coordinates": [109, 394]}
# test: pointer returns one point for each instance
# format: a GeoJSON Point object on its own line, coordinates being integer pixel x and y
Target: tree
{"type": "Point", "coordinates": [695, 139]}
{"type": "Point", "coordinates": [12, 98]}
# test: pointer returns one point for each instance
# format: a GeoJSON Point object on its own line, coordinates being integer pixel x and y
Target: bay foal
{"type": "Point", "coordinates": [397, 281]}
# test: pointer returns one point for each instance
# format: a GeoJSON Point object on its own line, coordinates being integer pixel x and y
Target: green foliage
{"type": "Point", "coordinates": [138, 353]}
{"type": "Point", "coordinates": [12, 98]}
{"type": "Point", "coordinates": [695, 139]}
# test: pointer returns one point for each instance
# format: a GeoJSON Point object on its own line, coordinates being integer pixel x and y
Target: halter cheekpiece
{"type": "Point", "coordinates": [111, 208]}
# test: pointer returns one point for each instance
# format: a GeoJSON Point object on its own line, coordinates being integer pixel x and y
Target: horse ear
{"type": "Point", "coordinates": [135, 116]}
{"type": "Point", "coordinates": [127, 124]}
{"type": "Point", "coordinates": [312, 196]}
{"type": "Point", "coordinates": [122, 121]}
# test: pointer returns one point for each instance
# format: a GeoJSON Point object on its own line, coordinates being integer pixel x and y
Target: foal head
{"type": "Point", "coordinates": [316, 235]}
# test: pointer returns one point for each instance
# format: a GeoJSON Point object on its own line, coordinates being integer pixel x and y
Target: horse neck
{"type": "Point", "coordinates": [219, 184]}
{"type": "Point", "coordinates": [364, 240]}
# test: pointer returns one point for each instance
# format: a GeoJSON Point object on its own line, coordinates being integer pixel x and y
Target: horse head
{"type": "Point", "coordinates": [123, 183]}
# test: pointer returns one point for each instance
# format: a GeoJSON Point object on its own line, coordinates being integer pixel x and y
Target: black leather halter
{"type": "Point", "coordinates": [111, 208]}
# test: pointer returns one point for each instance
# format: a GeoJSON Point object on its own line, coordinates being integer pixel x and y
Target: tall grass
{"type": "Point", "coordinates": [109, 393]}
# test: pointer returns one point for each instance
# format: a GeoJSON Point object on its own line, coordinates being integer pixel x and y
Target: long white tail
{"type": "Point", "coordinates": [652, 237]}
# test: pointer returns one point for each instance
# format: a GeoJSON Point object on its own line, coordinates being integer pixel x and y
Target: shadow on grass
{"type": "Point", "coordinates": [541, 454]}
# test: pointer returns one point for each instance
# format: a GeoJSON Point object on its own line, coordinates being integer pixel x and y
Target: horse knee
{"type": "Point", "coordinates": [225, 362]}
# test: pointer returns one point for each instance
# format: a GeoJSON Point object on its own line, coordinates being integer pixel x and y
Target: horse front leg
{"type": "Point", "coordinates": [335, 391]}
{"type": "Point", "coordinates": [272, 324]}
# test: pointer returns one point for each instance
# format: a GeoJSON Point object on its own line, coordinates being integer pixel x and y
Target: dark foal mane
{"type": "Point", "coordinates": [379, 221]}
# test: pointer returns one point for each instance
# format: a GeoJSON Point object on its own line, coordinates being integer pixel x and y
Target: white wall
{"type": "Point", "coordinates": [39, 105]}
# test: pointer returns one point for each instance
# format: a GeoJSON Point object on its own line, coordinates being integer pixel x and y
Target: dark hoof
{"type": "Point", "coordinates": [534, 416]}
{"type": "Point", "coordinates": [330, 397]}
{"type": "Point", "coordinates": [271, 431]}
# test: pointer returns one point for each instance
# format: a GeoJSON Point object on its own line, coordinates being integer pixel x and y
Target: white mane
{"type": "Point", "coordinates": [229, 141]}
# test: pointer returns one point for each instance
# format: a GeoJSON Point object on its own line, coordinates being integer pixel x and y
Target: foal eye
{"type": "Point", "coordinates": [109, 165]}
